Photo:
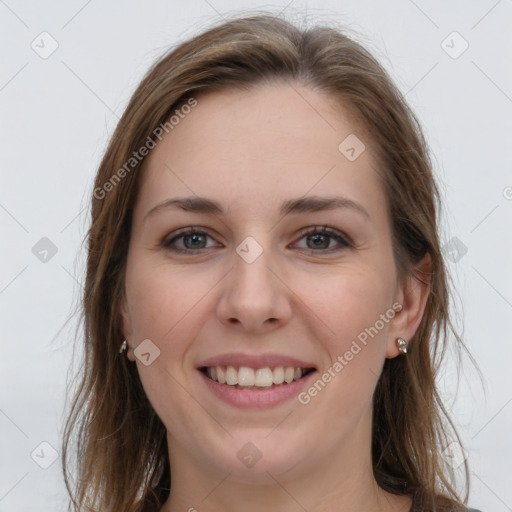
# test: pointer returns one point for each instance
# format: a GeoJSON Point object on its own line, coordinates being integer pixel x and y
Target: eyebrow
{"type": "Point", "coordinates": [309, 204]}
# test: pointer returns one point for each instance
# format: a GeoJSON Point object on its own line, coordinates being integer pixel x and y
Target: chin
{"type": "Point", "coordinates": [254, 460]}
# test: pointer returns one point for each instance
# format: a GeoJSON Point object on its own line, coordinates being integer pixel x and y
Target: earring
{"type": "Point", "coordinates": [123, 347]}
{"type": "Point", "coordinates": [402, 345]}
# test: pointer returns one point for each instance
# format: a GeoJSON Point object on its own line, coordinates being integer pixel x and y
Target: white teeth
{"type": "Point", "coordinates": [278, 375]}
{"type": "Point", "coordinates": [264, 377]}
{"type": "Point", "coordinates": [250, 377]}
{"type": "Point", "coordinates": [231, 376]}
{"type": "Point", "coordinates": [246, 376]}
{"type": "Point", "coordinates": [221, 375]}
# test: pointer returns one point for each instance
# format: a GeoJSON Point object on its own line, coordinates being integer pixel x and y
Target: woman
{"type": "Point", "coordinates": [266, 301]}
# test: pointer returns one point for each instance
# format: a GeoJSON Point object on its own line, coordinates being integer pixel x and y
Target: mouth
{"type": "Point", "coordinates": [255, 379]}
{"type": "Point", "coordinates": [246, 380]}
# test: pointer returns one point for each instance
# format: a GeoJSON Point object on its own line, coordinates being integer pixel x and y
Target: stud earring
{"type": "Point", "coordinates": [124, 345]}
{"type": "Point", "coordinates": [402, 345]}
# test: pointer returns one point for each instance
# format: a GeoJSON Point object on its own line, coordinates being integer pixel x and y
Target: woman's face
{"type": "Point", "coordinates": [252, 291]}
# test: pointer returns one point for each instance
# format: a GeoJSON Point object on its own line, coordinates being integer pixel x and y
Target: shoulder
{"type": "Point", "coordinates": [472, 510]}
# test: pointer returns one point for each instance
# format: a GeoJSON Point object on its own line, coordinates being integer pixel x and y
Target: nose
{"type": "Point", "coordinates": [255, 297]}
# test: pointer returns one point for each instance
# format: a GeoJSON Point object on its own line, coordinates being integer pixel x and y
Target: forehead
{"type": "Point", "coordinates": [256, 145]}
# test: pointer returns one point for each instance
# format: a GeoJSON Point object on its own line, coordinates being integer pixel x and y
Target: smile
{"type": "Point", "coordinates": [248, 378]}
{"type": "Point", "coordinates": [255, 388]}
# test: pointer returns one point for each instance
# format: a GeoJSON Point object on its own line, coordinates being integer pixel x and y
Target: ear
{"type": "Point", "coordinates": [126, 326]}
{"type": "Point", "coordinates": [412, 295]}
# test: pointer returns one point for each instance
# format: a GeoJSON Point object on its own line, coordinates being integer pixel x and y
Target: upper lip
{"type": "Point", "coordinates": [255, 361]}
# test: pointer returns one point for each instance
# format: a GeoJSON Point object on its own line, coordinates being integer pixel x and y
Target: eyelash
{"type": "Point", "coordinates": [342, 239]}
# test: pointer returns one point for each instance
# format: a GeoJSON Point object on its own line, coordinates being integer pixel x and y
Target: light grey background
{"type": "Point", "coordinates": [57, 114]}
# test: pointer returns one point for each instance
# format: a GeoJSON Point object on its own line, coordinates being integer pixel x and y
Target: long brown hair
{"type": "Point", "coordinates": [120, 455]}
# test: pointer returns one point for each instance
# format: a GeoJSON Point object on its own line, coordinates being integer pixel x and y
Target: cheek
{"type": "Point", "coordinates": [162, 299]}
{"type": "Point", "coordinates": [347, 302]}
{"type": "Point", "coordinates": [359, 312]}
{"type": "Point", "coordinates": [351, 305]}
{"type": "Point", "coordinates": [165, 303]}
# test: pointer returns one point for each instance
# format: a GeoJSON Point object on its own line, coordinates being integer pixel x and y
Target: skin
{"type": "Point", "coordinates": [250, 151]}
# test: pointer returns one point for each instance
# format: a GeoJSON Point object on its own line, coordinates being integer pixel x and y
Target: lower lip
{"type": "Point", "coordinates": [256, 398]}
